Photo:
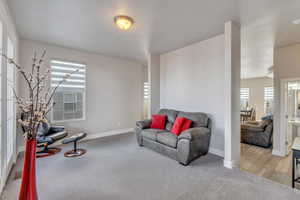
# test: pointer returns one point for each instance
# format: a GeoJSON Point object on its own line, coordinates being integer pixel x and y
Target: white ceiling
{"type": "Point", "coordinates": [161, 26]}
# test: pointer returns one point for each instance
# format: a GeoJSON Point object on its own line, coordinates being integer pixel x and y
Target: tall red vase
{"type": "Point", "coordinates": [28, 189]}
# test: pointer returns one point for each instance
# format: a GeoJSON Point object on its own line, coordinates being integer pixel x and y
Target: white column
{"type": "Point", "coordinates": [154, 82]}
{"type": "Point", "coordinates": [232, 94]}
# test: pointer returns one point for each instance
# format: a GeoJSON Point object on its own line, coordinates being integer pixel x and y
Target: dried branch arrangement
{"type": "Point", "coordinates": [39, 101]}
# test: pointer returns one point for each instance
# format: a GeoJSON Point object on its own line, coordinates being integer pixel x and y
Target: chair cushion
{"type": "Point", "coordinates": [158, 121]}
{"type": "Point", "coordinates": [150, 133]}
{"type": "Point", "coordinates": [43, 129]}
{"type": "Point", "coordinates": [58, 135]}
{"type": "Point", "coordinates": [74, 138]}
{"type": "Point", "coordinates": [42, 140]}
{"type": "Point", "coordinates": [167, 138]}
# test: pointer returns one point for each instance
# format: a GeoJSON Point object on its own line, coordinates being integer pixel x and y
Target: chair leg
{"type": "Point", "coordinates": [75, 146]}
{"type": "Point", "coordinates": [75, 152]}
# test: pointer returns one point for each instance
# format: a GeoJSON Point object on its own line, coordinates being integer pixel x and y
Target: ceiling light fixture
{"type": "Point", "coordinates": [296, 21]}
{"type": "Point", "coordinates": [123, 22]}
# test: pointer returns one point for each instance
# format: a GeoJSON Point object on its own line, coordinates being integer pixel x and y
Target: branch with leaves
{"type": "Point", "coordinates": [39, 102]}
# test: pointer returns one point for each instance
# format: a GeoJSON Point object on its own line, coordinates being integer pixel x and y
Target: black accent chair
{"type": "Point", "coordinates": [46, 136]}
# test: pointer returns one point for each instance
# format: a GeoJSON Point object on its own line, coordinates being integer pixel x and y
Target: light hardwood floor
{"type": "Point", "coordinates": [261, 162]}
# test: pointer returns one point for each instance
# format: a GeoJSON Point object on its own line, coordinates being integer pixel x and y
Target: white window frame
{"type": "Point", "coordinates": [13, 117]}
{"type": "Point", "coordinates": [83, 94]}
{"type": "Point", "coordinates": [6, 162]}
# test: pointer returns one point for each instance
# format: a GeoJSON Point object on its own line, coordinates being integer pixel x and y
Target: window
{"type": "Point", "coordinates": [69, 98]}
{"type": "Point", "coordinates": [268, 99]}
{"type": "Point", "coordinates": [146, 91]}
{"type": "Point", "coordinates": [244, 96]}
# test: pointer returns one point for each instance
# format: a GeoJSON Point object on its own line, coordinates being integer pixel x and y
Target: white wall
{"type": "Point", "coordinates": [256, 90]}
{"type": "Point", "coordinates": [286, 65]}
{"type": "Point", "coordinates": [192, 79]}
{"type": "Point", "coordinates": [154, 81]}
{"type": "Point", "coordinates": [113, 90]}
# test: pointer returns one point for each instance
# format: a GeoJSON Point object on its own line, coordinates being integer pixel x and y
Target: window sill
{"type": "Point", "coordinates": [68, 120]}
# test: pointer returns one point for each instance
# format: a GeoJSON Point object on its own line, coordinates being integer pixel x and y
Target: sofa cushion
{"type": "Point", "coordinates": [169, 126]}
{"type": "Point", "coordinates": [171, 114]}
{"type": "Point", "coordinates": [159, 121]}
{"type": "Point", "coordinates": [199, 119]}
{"type": "Point", "coordinates": [150, 133]}
{"type": "Point", "coordinates": [167, 138]}
{"type": "Point", "coordinates": [252, 128]}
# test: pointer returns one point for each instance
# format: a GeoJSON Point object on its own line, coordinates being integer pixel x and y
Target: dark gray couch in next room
{"type": "Point", "coordinates": [184, 148]}
{"type": "Point", "coordinates": [258, 133]}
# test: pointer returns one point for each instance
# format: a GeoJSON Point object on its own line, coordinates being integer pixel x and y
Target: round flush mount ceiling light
{"type": "Point", "coordinates": [123, 22]}
{"type": "Point", "coordinates": [296, 21]}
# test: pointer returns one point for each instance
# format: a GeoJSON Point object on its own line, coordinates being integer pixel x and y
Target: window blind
{"type": "Point", "coordinates": [244, 97]}
{"type": "Point", "coordinates": [146, 90]}
{"type": "Point", "coordinates": [268, 99]}
{"type": "Point", "coordinates": [69, 97]}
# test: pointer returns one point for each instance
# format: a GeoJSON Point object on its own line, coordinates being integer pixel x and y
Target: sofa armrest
{"type": "Point", "coordinates": [143, 124]}
{"type": "Point", "coordinates": [252, 128]}
{"type": "Point", "coordinates": [254, 123]}
{"type": "Point", "coordinates": [192, 143]}
{"type": "Point", "coordinates": [194, 133]}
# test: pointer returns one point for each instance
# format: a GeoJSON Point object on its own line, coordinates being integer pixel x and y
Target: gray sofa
{"type": "Point", "coordinates": [184, 148]}
{"type": "Point", "coordinates": [258, 133]}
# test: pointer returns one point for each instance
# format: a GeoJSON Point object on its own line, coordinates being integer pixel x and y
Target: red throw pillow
{"type": "Point", "coordinates": [178, 124]}
{"type": "Point", "coordinates": [187, 124]}
{"type": "Point", "coordinates": [158, 121]}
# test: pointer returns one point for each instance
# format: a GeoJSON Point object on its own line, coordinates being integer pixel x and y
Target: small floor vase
{"type": "Point", "coordinates": [28, 190]}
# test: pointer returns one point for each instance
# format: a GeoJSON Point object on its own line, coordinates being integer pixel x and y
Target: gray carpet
{"type": "Point", "coordinates": [115, 168]}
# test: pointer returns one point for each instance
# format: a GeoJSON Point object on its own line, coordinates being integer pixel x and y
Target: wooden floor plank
{"type": "Point", "coordinates": [261, 162]}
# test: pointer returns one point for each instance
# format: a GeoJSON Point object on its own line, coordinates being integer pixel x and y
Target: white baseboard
{"type": "Point", "coordinates": [278, 153]}
{"type": "Point", "coordinates": [93, 136]}
{"type": "Point", "coordinates": [230, 164]}
{"type": "Point", "coordinates": [108, 133]}
{"type": "Point", "coordinates": [217, 152]}
{"type": "Point", "coordinates": [214, 151]}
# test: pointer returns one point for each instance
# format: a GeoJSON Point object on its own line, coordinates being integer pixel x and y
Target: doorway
{"type": "Point", "coordinates": [290, 120]}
